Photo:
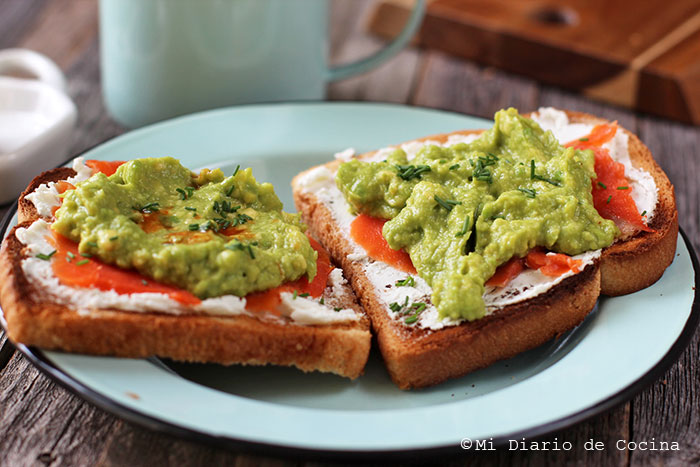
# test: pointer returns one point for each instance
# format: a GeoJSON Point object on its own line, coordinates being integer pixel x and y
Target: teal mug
{"type": "Point", "coordinates": [163, 58]}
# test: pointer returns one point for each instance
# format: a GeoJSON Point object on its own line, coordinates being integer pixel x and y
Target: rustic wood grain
{"type": "Point", "coordinates": [43, 424]}
{"type": "Point", "coordinates": [452, 84]}
{"type": "Point", "coordinates": [391, 82]}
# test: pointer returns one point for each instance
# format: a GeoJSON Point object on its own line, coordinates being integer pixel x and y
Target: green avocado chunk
{"type": "Point", "coordinates": [463, 210]}
{"type": "Point", "coordinates": [208, 234]}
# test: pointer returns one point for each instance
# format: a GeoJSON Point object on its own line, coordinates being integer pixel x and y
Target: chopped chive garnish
{"type": "Point", "coordinates": [608, 200]}
{"type": "Point", "coordinates": [116, 237]}
{"type": "Point", "coordinates": [498, 216]}
{"type": "Point", "coordinates": [337, 308]}
{"type": "Point", "coordinates": [454, 167]}
{"type": "Point", "coordinates": [92, 244]}
{"type": "Point", "coordinates": [189, 190]}
{"type": "Point", "coordinates": [322, 301]}
{"type": "Point", "coordinates": [230, 190]}
{"type": "Point", "coordinates": [446, 203]}
{"type": "Point", "coordinates": [46, 257]}
{"type": "Point", "coordinates": [411, 319]}
{"type": "Point", "coordinates": [409, 172]}
{"type": "Point", "coordinates": [623, 188]}
{"type": "Point", "coordinates": [530, 193]}
{"type": "Point", "coordinates": [194, 227]}
{"type": "Point", "coordinates": [86, 255]}
{"type": "Point", "coordinates": [304, 295]}
{"type": "Point", "coordinates": [70, 255]}
{"type": "Point", "coordinates": [644, 213]}
{"type": "Point", "coordinates": [150, 207]}
{"type": "Point", "coordinates": [481, 173]}
{"type": "Point", "coordinates": [602, 185]}
{"type": "Point", "coordinates": [236, 171]}
{"type": "Point", "coordinates": [583, 139]}
{"type": "Point", "coordinates": [81, 262]}
{"type": "Point", "coordinates": [534, 176]}
{"type": "Point", "coordinates": [465, 227]}
{"type": "Point", "coordinates": [183, 194]}
{"type": "Point", "coordinates": [144, 281]}
{"type": "Point", "coordinates": [295, 295]}
{"type": "Point", "coordinates": [189, 208]}
{"type": "Point", "coordinates": [407, 282]}
{"type": "Point", "coordinates": [250, 252]}
{"type": "Point", "coordinates": [443, 161]}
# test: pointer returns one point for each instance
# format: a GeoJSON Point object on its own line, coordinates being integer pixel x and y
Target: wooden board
{"type": "Point", "coordinates": [641, 54]}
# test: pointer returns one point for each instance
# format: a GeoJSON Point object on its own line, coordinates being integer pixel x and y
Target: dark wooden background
{"type": "Point", "coordinates": [41, 423]}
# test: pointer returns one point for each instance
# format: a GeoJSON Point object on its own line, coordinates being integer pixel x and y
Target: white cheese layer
{"type": "Point", "coordinates": [46, 196]}
{"type": "Point", "coordinates": [302, 311]}
{"type": "Point", "coordinates": [644, 190]}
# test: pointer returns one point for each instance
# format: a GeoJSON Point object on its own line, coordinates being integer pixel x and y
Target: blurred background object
{"type": "Point", "coordinates": [164, 58]}
{"type": "Point", "coordinates": [641, 54]}
{"type": "Point", "coordinates": [37, 119]}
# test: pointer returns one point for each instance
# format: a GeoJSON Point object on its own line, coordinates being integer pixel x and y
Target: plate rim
{"type": "Point", "coordinates": [76, 387]}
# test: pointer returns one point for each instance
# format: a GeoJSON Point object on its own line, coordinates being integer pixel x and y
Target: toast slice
{"type": "Point", "coordinates": [418, 357]}
{"type": "Point", "coordinates": [36, 317]}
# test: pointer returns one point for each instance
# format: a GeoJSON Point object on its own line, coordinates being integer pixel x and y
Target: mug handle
{"type": "Point", "coordinates": [34, 64]}
{"type": "Point", "coordinates": [367, 63]}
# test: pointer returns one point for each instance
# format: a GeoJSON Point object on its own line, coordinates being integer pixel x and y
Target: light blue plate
{"type": "Point", "coordinates": [621, 347]}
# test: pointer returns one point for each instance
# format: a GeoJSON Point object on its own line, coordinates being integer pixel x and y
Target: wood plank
{"type": "Point", "coordinates": [16, 16]}
{"type": "Point", "coordinates": [668, 410]}
{"type": "Point", "coordinates": [452, 84]}
{"type": "Point", "coordinates": [643, 57]}
{"type": "Point", "coordinates": [391, 82]}
{"type": "Point", "coordinates": [63, 30]}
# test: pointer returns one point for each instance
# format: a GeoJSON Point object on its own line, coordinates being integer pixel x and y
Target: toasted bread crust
{"type": "Point", "coordinates": [632, 264]}
{"type": "Point", "coordinates": [418, 358]}
{"type": "Point", "coordinates": [34, 318]}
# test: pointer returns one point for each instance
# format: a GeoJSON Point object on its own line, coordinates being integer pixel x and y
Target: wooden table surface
{"type": "Point", "coordinates": [42, 423]}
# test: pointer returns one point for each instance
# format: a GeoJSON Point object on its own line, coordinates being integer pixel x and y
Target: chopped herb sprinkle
{"type": "Point", "coordinates": [111, 239]}
{"type": "Point", "coordinates": [144, 281]}
{"type": "Point", "coordinates": [193, 227]}
{"type": "Point", "coordinates": [304, 295]}
{"type": "Point", "coordinates": [446, 203]}
{"type": "Point", "coordinates": [337, 308]}
{"type": "Point", "coordinates": [82, 262]}
{"type": "Point", "coordinates": [189, 208]}
{"type": "Point", "coordinates": [407, 282]}
{"type": "Point", "coordinates": [86, 255]}
{"type": "Point", "coordinates": [92, 244]}
{"type": "Point", "coordinates": [149, 208]}
{"type": "Point", "coordinates": [534, 176]}
{"type": "Point", "coordinates": [530, 193]}
{"type": "Point", "coordinates": [236, 171]}
{"type": "Point", "coordinates": [295, 294]}
{"type": "Point", "coordinates": [602, 185]}
{"type": "Point", "coordinates": [322, 301]}
{"type": "Point", "coordinates": [623, 188]}
{"type": "Point", "coordinates": [608, 200]}
{"type": "Point", "coordinates": [46, 257]}
{"type": "Point", "coordinates": [583, 139]}
{"type": "Point", "coordinates": [454, 167]}
{"type": "Point", "coordinates": [465, 227]}
{"type": "Point", "coordinates": [411, 312]}
{"type": "Point", "coordinates": [236, 245]}
{"type": "Point", "coordinates": [644, 213]}
{"type": "Point", "coordinates": [409, 172]}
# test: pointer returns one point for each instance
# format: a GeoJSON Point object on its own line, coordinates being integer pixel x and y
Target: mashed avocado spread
{"type": "Point", "coordinates": [461, 211]}
{"type": "Point", "coordinates": [209, 234]}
